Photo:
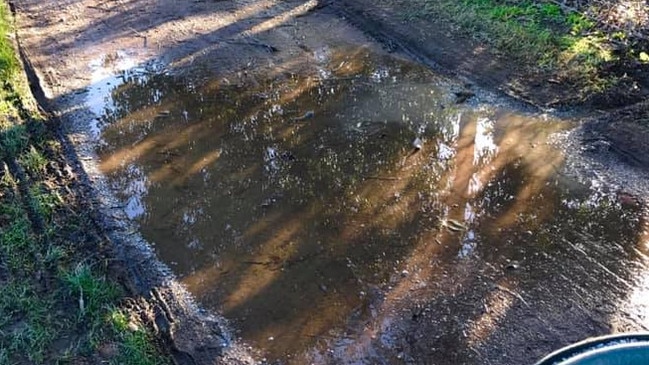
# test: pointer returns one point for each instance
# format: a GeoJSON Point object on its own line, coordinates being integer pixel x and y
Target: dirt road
{"type": "Point", "coordinates": [482, 312]}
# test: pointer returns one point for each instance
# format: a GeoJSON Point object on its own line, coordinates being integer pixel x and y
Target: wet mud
{"type": "Point", "coordinates": [364, 215]}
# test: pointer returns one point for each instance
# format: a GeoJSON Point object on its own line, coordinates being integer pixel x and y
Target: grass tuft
{"type": "Point", "coordinates": [92, 292]}
{"type": "Point", "coordinates": [33, 161]}
{"type": "Point", "coordinates": [136, 347]}
{"type": "Point", "coordinates": [43, 201]}
{"type": "Point", "coordinates": [13, 140]}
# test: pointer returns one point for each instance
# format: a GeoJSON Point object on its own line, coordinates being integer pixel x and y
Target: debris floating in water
{"type": "Point", "coordinates": [418, 143]}
{"type": "Point", "coordinates": [308, 115]}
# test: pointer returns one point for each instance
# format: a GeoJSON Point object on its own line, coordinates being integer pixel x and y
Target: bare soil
{"type": "Point", "coordinates": [59, 39]}
{"type": "Point", "coordinates": [446, 47]}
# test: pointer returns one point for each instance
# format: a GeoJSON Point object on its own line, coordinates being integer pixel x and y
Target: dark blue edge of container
{"type": "Point", "coordinates": [567, 352]}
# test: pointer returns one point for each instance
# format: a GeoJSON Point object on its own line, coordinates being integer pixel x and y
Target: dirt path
{"type": "Point", "coordinates": [66, 42]}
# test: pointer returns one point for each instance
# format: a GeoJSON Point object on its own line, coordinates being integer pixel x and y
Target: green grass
{"type": "Point", "coordinates": [13, 139]}
{"type": "Point", "coordinates": [528, 30]}
{"type": "Point", "coordinates": [43, 201]}
{"type": "Point", "coordinates": [58, 302]}
{"type": "Point", "coordinates": [33, 161]}
{"type": "Point", "coordinates": [539, 35]}
{"type": "Point", "coordinates": [136, 348]}
{"type": "Point", "coordinates": [32, 325]}
{"type": "Point", "coordinates": [93, 294]}
{"type": "Point", "coordinates": [8, 61]}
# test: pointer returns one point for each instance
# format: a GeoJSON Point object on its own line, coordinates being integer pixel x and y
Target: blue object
{"type": "Point", "coordinates": [620, 349]}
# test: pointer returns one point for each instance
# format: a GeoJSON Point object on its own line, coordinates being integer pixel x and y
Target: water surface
{"type": "Point", "coordinates": [301, 230]}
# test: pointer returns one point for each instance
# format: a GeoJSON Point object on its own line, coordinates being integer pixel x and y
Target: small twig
{"type": "Point", "coordinates": [511, 292]}
{"type": "Point", "coordinates": [137, 34]}
{"type": "Point", "coordinates": [96, 7]}
{"type": "Point", "coordinates": [389, 178]}
{"type": "Point", "coordinates": [263, 263]}
{"type": "Point", "coordinates": [82, 307]}
{"type": "Point", "coordinates": [254, 43]}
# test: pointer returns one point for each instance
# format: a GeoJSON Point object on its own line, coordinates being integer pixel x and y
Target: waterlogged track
{"type": "Point", "coordinates": [299, 207]}
{"type": "Point", "coordinates": [338, 204]}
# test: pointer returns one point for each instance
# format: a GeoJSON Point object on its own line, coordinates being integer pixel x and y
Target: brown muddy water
{"type": "Point", "coordinates": [300, 206]}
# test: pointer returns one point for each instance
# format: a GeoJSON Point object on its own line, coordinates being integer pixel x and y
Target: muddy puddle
{"type": "Point", "coordinates": [310, 209]}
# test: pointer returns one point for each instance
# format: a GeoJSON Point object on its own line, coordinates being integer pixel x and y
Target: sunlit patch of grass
{"type": "Point", "coordinates": [136, 344]}
{"type": "Point", "coordinates": [8, 61]}
{"type": "Point", "coordinates": [582, 59]}
{"type": "Point", "coordinates": [526, 30]}
{"type": "Point", "coordinates": [537, 34]}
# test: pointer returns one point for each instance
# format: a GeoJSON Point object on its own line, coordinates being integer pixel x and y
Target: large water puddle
{"type": "Point", "coordinates": [295, 204]}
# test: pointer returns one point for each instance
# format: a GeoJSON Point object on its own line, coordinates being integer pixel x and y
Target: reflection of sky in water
{"type": "Point", "coordinates": [445, 152]}
{"type": "Point", "coordinates": [380, 74]}
{"type": "Point", "coordinates": [103, 79]}
{"type": "Point", "coordinates": [136, 190]}
{"type": "Point", "coordinates": [636, 304]}
{"type": "Point", "coordinates": [484, 141]}
{"type": "Point", "coordinates": [469, 244]}
{"type": "Point", "coordinates": [475, 186]}
{"type": "Point", "coordinates": [108, 72]}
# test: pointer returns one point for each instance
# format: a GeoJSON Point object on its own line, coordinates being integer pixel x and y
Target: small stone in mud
{"type": "Point", "coordinates": [404, 273]}
{"type": "Point", "coordinates": [133, 327]}
{"type": "Point", "coordinates": [514, 265]}
{"type": "Point", "coordinates": [308, 115]}
{"type": "Point", "coordinates": [462, 96]}
{"type": "Point", "coordinates": [627, 199]}
{"type": "Point", "coordinates": [323, 288]}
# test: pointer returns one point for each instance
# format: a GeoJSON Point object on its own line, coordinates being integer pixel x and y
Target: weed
{"type": "Point", "coordinates": [54, 254]}
{"type": "Point", "coordinates": [579, 23]}
{"type": "Point", "coordinates": [93, 292]}
{"type": "Point", "coordinates": [33, 161]}
{"type": "Point", "coordinates": [43, 201]}
{"type": "Point", "coordinates": [13, 140]}
{"type": "Point", "coordinates": [551, 11]}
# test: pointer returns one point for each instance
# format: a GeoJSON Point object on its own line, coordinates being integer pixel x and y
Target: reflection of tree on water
{"type": "Point", "coordinates": [292, 228]}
